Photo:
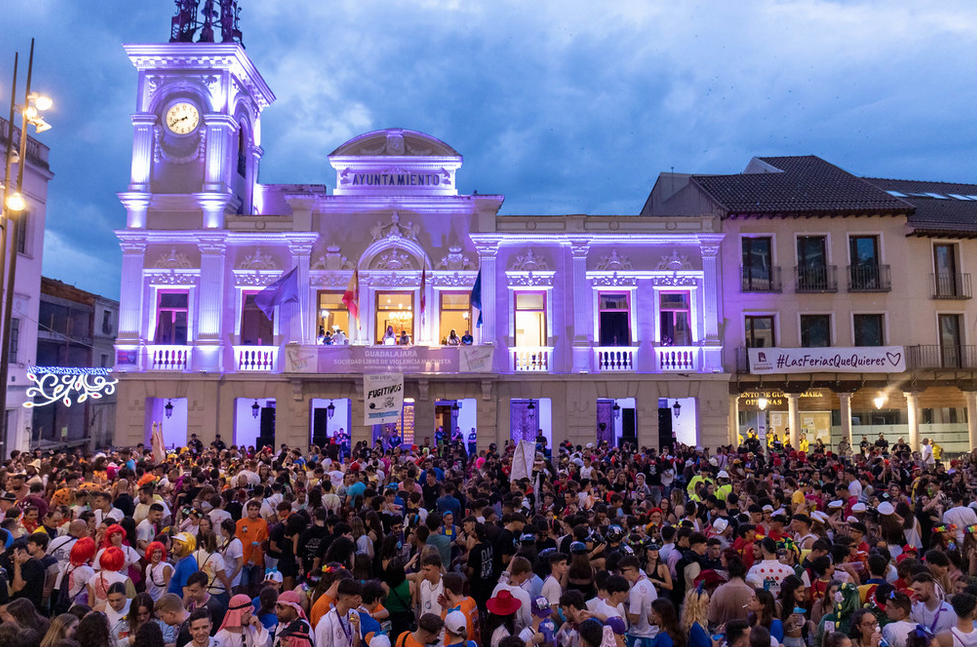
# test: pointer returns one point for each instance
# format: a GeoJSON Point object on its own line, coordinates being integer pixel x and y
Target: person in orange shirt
{"type": "Point", "coordinates": [329, 585]}
{"type": "Point", "coordinates": [454, 599]}
{"type": "Point", "coordinates": [253, 532]}
{"type": "Point", "coordinates": [66, 494]}
{"type": "Point", "coordinates": [428, 631]}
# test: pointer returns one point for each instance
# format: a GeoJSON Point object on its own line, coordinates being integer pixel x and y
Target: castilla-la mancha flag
{"type": "Point", "coordinates": [351, 297]}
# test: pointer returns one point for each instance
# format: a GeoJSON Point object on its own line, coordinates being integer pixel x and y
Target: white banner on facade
{"type": "Point", "coordinates": [862, 359]}
{"type": "Point", "coordinates": [522, 460]}
{"type": "Point", "coordinates": [383, 397]}
{"type": "Point", "coordinates": [475, 359]}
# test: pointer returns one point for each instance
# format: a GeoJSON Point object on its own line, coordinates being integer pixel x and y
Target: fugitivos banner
{"type": "Point", "coordinates": [384, 397]}
{"type": "Point", "coordinates": [862, 359]}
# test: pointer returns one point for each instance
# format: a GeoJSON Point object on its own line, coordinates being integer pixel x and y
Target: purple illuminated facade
{"type": "Point", "coordinates": [592, 326]}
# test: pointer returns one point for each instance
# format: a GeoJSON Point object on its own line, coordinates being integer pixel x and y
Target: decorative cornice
{"type": "Point", "coordinates": [385, 279]}
{"type": "Point", "coordinates": [256, 277]}
{"type": "Point", "coordinates": [173, 277]}
{"type": "Point", "coordinates": [675, 281]}
{"type": "Point", "coordinates": [320, 278]}
{"type": "Point", "coordinates": [454, 279]}
{"type": "Point", "coordinates": [394, 260]}
{"type": "Point", "coordinates": [615, 280]}
{"type": "Point", "coordinates": [530, 279]}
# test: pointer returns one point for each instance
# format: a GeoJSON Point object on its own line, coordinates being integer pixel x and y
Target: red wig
{"type": "Point", "coordinates": [82, 552]}
{"type": "Point", "coordinates": [112, 559]}
{"type": "Point", "coordinates": [114, 529]}
{"type": "Point", "coordinates": [152, 548]}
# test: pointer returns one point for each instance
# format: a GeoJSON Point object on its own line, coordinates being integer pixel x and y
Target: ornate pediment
{"type": "Point", "coordinates": [674, 262]}
{"type": "Point", "coordinates": [173, 260]}
{"type": "Point", "coordinates": [454, 280]}
{"type": "Point", "coordinates": [613, 262]}
{"type": "Point", "coordinates": [394, 229]}
{"type": "Point", "coordinates": [258, 261]}
{"type": "Point", "coordinates": [530, 263]}
{"type": "Point", "coordinates": [332, 260]}
{"type": "Point", "coordinates": [173, 277]}
{"type": "Point", "coordinates": [455, 260]}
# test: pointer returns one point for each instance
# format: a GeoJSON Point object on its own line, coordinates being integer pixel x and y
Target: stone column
{"type": "Point", "coordinates": [972, 417]}
{"type": "Point", "coordinates": [712, 360]}
{"type": "Point", "coordinates": [209, 343]}
{"type": "Point", "coordinates": [221, 135]}
{"type": "Point", "coordinates": [794, 418]}
{"type": "Point", "coordinates": [130, 300]}
{"type": "Point", "coordinates": [490, 306]}
{"type": "Point", "coordinates": [583, 311]}
{"type": "Point", "coordinates": [912, 408]}
{"type": "Point", "coordinates": [845, 400]}
{"type": "Point", "coordinates": [300, 329]}
{"type": "Point", "coordinates": [734, 420]}
{"type": "Point", "coordinates": [143, 124]}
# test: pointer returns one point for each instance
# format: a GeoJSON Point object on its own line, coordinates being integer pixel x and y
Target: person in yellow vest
{"type": "Point", "coordinates": [803, 444]}
{"type": "Point", "coordinates": [937, 451]}
{"type": "Point", "coordinates": [725, 487]}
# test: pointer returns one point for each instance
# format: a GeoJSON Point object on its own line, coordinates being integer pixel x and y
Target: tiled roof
{"type": "Point", "coordinates": [803, 185]}
{"type": "Point", "coordinates": [950, 213]}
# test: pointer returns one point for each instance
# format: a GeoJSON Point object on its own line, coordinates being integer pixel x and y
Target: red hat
{"type": "Point", "coordinates": [503, 604]}
{"type": "Point", "coordinates": [709, 577]}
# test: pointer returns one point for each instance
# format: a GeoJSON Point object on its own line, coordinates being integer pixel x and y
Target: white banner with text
{"type": "Point", "coordinates": [383, 397]}
{"type": "Point", "coordinates": [862, 359]}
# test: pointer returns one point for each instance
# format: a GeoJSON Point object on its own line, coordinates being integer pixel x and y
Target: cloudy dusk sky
{"type": "Point", "coordinates": [562, 106]}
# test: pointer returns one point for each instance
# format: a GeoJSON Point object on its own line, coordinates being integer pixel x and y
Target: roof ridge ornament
{"type": "Point", "coordinates": [224, 14]}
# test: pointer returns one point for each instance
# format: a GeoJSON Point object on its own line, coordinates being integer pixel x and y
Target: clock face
{"type": "Point", "coordinates": [182, 118]}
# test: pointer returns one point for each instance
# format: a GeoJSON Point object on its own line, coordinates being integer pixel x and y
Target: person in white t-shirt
{"type": "Point", "coordinates": [520, 570]}
{"type": "Point", "coordinates": [642, 594]}
{"type": "Point", "coordinates": [963, 634]}
{"type": "Point", "coordinates": [929, 610]}
{"type": "Point", "coordinates": [898, 608]}
{"type": "Point", "coordinates": [148, 528]}
{"type": "Point", "coordinates": [232, 550]}
{"type": "Point", "coordinates": [430, 588]}
{"type": "Point", "coordinates": [769, 573]}
{"type": "Point", "coordinates": [960, 515]}
{"type": "Point", "coordinates": [553, 584]}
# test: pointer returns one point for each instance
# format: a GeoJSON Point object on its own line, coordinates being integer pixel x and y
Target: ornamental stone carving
{"type": "Point", "coordinates": [332, 260]}
{"type": "Point", "coordinates": [256, 278]}
{"type": "Point", "coordinates": [393, 260]}
{"type": "Point", "coordinates": [173, 260]}
{"type": "Point", "coordinates": [394, 280]}
{"type": "Point", "coordinates": [454, 280]}
{"type": "Point", "coordinates": [615, 281]}
{"type": "Point", "coordinates": [173, 277]}
{"type": "Point", "coordinates": [258, 261]}
{"type": "Point", "coordinates": [530, 263]}
{"type": "Point", "coordinates": [455, 260]}
{"type": "Point", "coordinates": [530, 279]}
{"type": "Point", "coordinates": [614, 262]}
{"type": "Point", "coordinates": [161, 154]}
{"type": "Point", "coordinates": [674, 262]}
{"type": "Point", "coordinates": [318, 278]}
{"type": "Point", "coordinates": [394, 229]}
{"type": "Point", "coordinates": [675, 281]}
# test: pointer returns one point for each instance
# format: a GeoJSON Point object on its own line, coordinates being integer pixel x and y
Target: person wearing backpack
{"type": "Point", "coordinates": [74, 577]}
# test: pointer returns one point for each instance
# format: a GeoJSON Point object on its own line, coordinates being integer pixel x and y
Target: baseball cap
{"type": "Point", "coordinates": [457, 623]}
{"type": "Point", "coordinates": [541, 607]}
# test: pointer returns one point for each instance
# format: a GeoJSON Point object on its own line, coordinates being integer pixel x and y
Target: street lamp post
{"type": "Point", "coordinates": [13, 204]}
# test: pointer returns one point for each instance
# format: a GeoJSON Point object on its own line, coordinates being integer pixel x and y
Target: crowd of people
{"type": "Point", "coordinates": [424, 545]}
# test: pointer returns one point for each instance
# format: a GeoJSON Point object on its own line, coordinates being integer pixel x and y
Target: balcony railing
{"type": "Point", "coordinates": [816, 278]}
{"type": "Point", "coordinates": [936, 356]}
{"type": "Point", "coordinates": [760, 279]}
{"type": "Point", "coordinates": [947, 285]}
{"type": "Point", "coordinates": [256, 358]}
{"type": "Point", "coordinates": [677, 359]}
{"type": "Point", "coordinates": [614, 359]}
{"type": "Point", "coordinates": [531, 359]}
{"type": "Point", "coordinates": [869, 278]}
{"type": "Point", "coordinates": [168, 358]}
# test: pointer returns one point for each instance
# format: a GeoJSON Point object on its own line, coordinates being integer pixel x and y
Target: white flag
{"type": "Point", "coordinates": [522, 460]}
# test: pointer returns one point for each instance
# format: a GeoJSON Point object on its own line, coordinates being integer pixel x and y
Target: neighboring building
{"type": "Point", "coordinates": [816, 258]}
{"type": "Point", "coordinates": [593, 327]}
{"type": "Point", "coordinates": [75, 329]}
{"type": "Point", "coordinates": [30, 247]}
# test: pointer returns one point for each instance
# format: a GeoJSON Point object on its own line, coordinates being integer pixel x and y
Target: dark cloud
{"type": "Point", "coordinates": [563, 106]}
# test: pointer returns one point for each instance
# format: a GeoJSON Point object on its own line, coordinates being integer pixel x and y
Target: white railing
{"type": "Point", "coordinates": [614, 359]}
{"type": "Point", "coordinates": [679, 359]}
{"type": "Point", "coordinates": [168, 358]}
{"type": "Point", "coordinates": [256, 358]}
{"type": "Point", "coordinates": [531, 359]}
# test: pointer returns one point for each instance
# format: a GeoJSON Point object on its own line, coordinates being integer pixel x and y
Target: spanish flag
{"type": "Point", "coordinates": [351, 297]}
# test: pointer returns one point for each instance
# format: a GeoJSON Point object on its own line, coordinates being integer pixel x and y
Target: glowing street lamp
{"type": "Point", "coordinates": [762, 403]}
{"type": "Point", "coordinates": [879, 400]}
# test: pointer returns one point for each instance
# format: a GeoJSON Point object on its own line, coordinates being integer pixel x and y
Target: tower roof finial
{"type": "Point", "coordinates": [221, 13]}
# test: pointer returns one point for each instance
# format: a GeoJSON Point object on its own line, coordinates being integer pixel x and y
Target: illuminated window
{"type": "Point", "coordinates": [614, 319]}
{"type": "Point", "coordinates": [456, 315]}
{"type": "Point", "coordinates": [171, 318]}
{"type": "Point", "coordinates": [332, 313]}
{"type": "Point", "coordinates": [395, 313]}
{"type": "Point", "coordinates": [256, 328]}
{"type": "Point", "coordinates": [530, 319]}
{"type": "Point", "coordinates": [675, 318]}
